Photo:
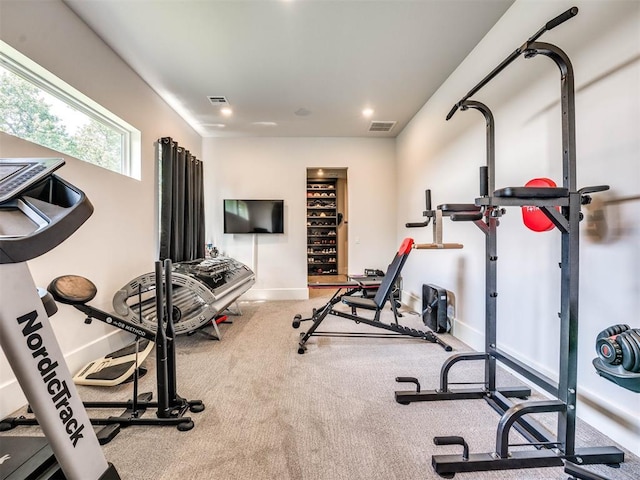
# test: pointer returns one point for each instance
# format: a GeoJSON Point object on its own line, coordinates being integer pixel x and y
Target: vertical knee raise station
{"type": "Point", "coordinates": [562, 206]}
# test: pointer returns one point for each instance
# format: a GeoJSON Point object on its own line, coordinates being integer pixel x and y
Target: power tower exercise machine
{"type": "Point", "coordinates": [562, 206]}
{"type": "Point", "coordinates": [39, 211]}
{"type": "Point", "coordinates": [487, 220]}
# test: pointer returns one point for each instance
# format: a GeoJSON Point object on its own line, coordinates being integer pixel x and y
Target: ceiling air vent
{"type": "Point", "coordinates": [218, 100]}
{"type": "Point", "coordinates": [378, 126]}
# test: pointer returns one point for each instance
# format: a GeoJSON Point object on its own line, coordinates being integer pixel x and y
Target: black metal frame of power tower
{"type": "Point", "coordinates": [549, 451]}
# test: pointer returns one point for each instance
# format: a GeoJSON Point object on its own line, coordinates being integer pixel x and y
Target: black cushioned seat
{"type": "Point", "coordinates": [532, 192]}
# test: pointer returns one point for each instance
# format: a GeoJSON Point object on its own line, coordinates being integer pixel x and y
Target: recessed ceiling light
{"type": "Point", "coordinates": [265, 124]}
{"type": "Point", "coordinates": [367, 112]}
{"type": "Point", "coordinates": [226, 111]}
{"type": "Point", "coordinates": [216, 125]}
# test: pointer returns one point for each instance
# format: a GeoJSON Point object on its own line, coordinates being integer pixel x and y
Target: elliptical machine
{"type": "Point", "coordinates": [39, 211]}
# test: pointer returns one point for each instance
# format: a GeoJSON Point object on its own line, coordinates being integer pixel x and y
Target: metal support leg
{"type": "Point", "coordinates": [446, 393]}
{"type": "Point", "coordinates": [514, 413]}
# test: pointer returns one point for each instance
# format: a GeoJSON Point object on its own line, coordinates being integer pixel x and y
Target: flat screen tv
{"type": "Point", "coordinates": [253, 216]}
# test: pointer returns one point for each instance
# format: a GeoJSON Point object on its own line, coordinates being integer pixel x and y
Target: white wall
{"type": "Point", "coordinates": [118, 242]}
{"type": "Point", "coordinates": [277, 168]}
{"type": "Point", "coordinates": [603, 43]}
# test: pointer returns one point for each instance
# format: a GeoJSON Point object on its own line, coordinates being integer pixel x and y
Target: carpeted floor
{"type": "Point", "coordinates": [330, 414]}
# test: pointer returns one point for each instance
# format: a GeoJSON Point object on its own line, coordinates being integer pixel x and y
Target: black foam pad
{"type": "Point", "coordinates": [532, 192]}
{"type": "Point", "coordinates": [458, 207]}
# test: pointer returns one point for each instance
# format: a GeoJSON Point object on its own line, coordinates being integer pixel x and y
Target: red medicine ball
{"type": "Point", "coordinates": [533, 217]}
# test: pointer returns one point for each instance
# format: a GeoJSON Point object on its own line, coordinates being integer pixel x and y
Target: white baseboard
{"type": "Point", "coordinates": [411, 301]}
{"type": "Point", "coordinates": [275, 294]}
{"type": "Point", "coordinates": [622, 426]}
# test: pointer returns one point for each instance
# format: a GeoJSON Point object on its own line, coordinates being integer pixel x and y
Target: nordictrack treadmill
{"type": "Point", "coordinates": [39, 211]}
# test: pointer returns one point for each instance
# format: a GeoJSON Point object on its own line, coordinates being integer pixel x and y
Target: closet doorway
{"type": "Point", "coordinates": [327, 225]}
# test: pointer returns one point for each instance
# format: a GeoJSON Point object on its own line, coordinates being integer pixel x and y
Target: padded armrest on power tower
{"type": "Point", "coordinates": [458, 207]}
{"type": "Point", "coordinates": [532, 192]}
{"type": "Point", "coordinates": [466, 216]}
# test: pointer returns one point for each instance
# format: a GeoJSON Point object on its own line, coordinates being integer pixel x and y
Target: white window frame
{"type": "Point", "coordinates": [21, 65]}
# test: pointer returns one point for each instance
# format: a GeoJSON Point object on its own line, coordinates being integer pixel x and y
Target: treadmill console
{"type": "Point", "coordinates": [38, 210]}
{"type": "Point", "coordinates": [18, 174]}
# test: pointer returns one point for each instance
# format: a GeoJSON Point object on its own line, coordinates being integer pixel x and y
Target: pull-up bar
{"type": "Point", "coordinates": [563, 17]}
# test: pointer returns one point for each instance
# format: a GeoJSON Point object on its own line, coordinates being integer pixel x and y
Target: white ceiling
{"type": "Point", "coordinates": [309, 66]}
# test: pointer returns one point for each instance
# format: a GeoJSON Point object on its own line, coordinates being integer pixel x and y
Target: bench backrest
{"type": "Point", "coordinates": [393, 272]}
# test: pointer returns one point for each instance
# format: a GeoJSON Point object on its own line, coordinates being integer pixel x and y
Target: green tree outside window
{"type": "Point", "coordinates": [30, 113]}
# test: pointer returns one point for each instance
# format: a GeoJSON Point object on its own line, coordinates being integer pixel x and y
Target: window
{"type": "Point", "coordinates": [37, 106]}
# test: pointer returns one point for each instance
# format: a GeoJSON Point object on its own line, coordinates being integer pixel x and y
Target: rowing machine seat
{"type": "Point", "coordinates": [72, 289]}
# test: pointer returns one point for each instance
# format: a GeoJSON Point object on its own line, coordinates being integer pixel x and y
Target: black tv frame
{"type": "Point", "coordinates": [232, 226]}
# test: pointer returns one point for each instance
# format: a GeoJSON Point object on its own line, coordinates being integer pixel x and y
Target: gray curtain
{"type": "Point", "coordinates": [181, 203]}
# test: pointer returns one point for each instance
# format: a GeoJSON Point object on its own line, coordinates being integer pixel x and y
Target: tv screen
{"type": "Point", "coordinates": [254, 216]}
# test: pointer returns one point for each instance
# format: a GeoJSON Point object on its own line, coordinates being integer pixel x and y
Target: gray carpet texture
{"type": "Point", "coordinates": [330, 414]}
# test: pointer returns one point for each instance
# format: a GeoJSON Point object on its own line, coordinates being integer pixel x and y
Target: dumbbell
{"type": "Point", "coordinates": [620, 345]}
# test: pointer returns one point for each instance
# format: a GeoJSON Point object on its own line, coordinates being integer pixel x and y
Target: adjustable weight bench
{"type": "Point", "coordinates": [356, 298]}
